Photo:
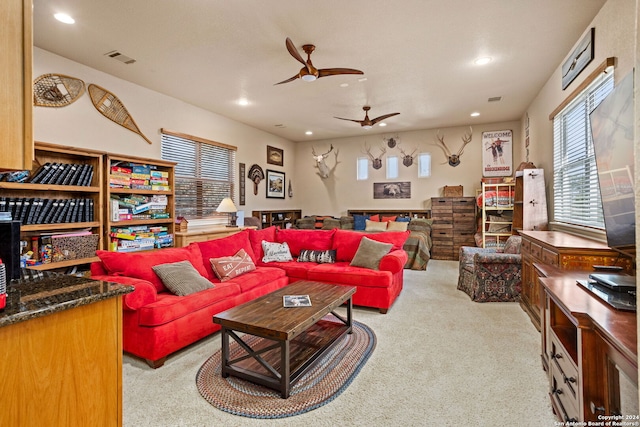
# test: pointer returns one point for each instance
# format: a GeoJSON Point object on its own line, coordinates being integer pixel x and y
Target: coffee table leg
{"type": "Point", "coordinates": [225, 353]}
{"type": "Point", "coordinates": [285, 374]}
{"type": "Point", "coordinates": [349, 308]}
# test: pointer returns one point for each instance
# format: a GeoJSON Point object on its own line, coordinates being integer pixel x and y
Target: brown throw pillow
{"type": "Point", "coordinates": [369, 253]}
{"type": "Point", "coordinates": [228, 267]}
{"type": "Point", "coordinates": [181, 278]}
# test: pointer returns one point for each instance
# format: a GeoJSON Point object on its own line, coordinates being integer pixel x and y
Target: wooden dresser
{"type": "Point", "coordinates": [592, 353]}
{"type": "Point", "coordinates": [454, 223]}
{"type": "Point", "coordinates": [564, 251]}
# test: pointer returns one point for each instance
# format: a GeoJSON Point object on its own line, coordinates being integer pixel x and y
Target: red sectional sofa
{"type": "Point", "coordinates": [157, 323]}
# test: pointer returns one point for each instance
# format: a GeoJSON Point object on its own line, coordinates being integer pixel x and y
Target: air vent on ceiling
{"type": "Point", "coordinates": [280, 125]}
{"type": "Point", "coordinates": [120, 57]}
{"type": "Point", "coordinates": [495, 99]}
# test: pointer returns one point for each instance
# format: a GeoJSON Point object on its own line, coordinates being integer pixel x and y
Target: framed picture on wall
{"type": "Point", "coordinates": [275, 184]}
{"type": "Point", "coordinates": [275, 156]}
{"type": "Point", "coordinates": [392, 190]}
{"type": "Point", "coordinates": [497, 153]}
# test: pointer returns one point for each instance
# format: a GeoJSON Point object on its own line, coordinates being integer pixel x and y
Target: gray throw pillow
{"type": "Point", "coordinates": [369, 253]}
{"type": "Point", "coordinates": [181, 278]}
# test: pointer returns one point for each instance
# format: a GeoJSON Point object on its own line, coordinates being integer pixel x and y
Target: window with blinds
{"type": "Point", "coordinates": [576, 195]}
{"type": "Point", "coordinates": [204, 174]}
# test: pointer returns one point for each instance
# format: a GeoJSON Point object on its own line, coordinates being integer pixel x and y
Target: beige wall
{"type": "Point", "coordinates": [614, 36]}
{"type": "Point", "coordinates": [80, 125]}
{"type": "Point", "coordinates": [333, 196]}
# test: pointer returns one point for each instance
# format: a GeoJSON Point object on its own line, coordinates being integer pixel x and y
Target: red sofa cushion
{"type": "Point", "coordinates": [257, 278]}
{"type": "Point", "coordinates": [139, 265]}
{"type": "Point", "coordinates": [226, 246]}
{"type": "Point", "coordinates": [343, 273]}
{"type": "Point", "coordinates": [257, 236]}
{"type": "Point", "coordinates": [346, 242]}
{"type": "Point", "coordinates": [317, 240]}
{"type": "Point", "coordinates": [170, 307]}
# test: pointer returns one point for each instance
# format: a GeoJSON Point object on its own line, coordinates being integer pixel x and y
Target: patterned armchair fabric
{"type": "Point", "coordinates": [489, 275]}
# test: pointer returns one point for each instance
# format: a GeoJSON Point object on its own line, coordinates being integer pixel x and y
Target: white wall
{"type": "Point", "coordinates": [81, 125]}
{"type": "Point", "coordinates": [614, 36]}
{"type": "Point", "coordinates": [340, 192]}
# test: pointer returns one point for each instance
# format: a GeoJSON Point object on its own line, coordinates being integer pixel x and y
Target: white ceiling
{"type": "Point", "coordinates": [417, 56]}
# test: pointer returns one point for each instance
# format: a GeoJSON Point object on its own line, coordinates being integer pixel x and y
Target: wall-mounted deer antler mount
{"type": "Point", "coordinates": [391, 141]}
{"type": "Point", "coordinates": [407, 159]}
{"type": "Point", "coordinates": [454, 159]}
{"type": "Point", "coordinates": [321, 163]}
{"type": "Point", "coordinates": [376, 162]}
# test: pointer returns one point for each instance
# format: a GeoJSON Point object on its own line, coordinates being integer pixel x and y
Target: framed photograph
{"type": "Point", "coordinates": [275, 184]}
{"type": "Point", "coordinates": [581, 56]}
{"type": "Point", "coordinates": [275, 156]}
{"type": "Point", "coordinates": [296, 301]}
{"type": "Point", "coordinates": [392, 190]}
{"type": "Point", "coordinates": [241, 172]}
{"type": "Point", "coordinates": [497, 153]}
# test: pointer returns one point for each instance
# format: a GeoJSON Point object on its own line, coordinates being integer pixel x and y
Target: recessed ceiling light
{"type": "Point", "coordinates": [308, 132]}
{"type": "Point", "coordinates": [243, 101]}
{"type": "Point", "coordinates": [344, 84]}
{"type": "Point", "coordinates": [382, 124]}
{"type": "Point", "coordinates": [482, 61]}
{"type": "Point", "coordinates": [362, 79]}
{"type": "Point", "coordinates": [64, 18]}
{"type": "Point", "coordinates": [475, 114]}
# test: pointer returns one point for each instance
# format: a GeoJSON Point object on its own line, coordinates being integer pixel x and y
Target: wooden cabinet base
{"type": "Point", "coordinates": [64, 369]}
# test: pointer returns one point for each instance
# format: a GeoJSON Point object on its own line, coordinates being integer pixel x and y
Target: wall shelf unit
{"type": "Point", "coordinates": [53, 208]}
{"type": "Point", "coordinates": [497, 202]}
{"type": "Point", "coordinates": [280, 218]}
{"type": "Point", "coordinates": [140, 213]}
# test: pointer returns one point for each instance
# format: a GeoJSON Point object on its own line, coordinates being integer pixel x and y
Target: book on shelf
{"type": "Point", "coordinates": [88, 177]}
{"type": "Point", "coordinates": [54, 178]}
{"type": "Point", "coordinates": [40, 173]}
{"type": "Point", "coordinates": [296, 301]}
{"type": "Point", "coordinates": [53, 168]}
{"type": "Point", "coordinates": [69, 177]}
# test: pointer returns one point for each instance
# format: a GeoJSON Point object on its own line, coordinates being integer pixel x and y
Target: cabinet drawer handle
{"type": "Point", "coordinates": [568, 380]}
{"type": "Point", "coordinates": [557, 391]}
{"type": "Point", "coordinates": [595, 408]}
{"type": "Point", "coordinates": [556, 356]}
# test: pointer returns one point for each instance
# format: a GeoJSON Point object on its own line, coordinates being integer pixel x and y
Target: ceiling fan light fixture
{"type": "Point", "coordinates": [308, 77]}
{"type": "Point", "coordinates": [366, 127]}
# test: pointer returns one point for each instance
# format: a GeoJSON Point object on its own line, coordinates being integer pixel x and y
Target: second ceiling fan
{"type": "Point", "coordinates": [368, 123]}
{"type": "Point", "coordinates": [309, 73]}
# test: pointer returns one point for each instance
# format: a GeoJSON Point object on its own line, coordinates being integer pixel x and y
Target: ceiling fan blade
{"type": "Point", "coordinates": [288, 80]}
{"type": "Point", "coordinates": [293, 51]}
{"type": "Point", "coordinates": [350, 120]}
{"type": "Point", "coordinates": [335, 71]}
{"type": "Point", "coordinates": [379, 119]}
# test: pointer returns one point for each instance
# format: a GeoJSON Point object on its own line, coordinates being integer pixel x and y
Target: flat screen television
{"type": "Point", "coordinates": [612, 129]}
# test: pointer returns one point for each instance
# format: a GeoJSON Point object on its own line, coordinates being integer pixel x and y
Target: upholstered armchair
{"type": "Point", "coordinates": [491, 275]}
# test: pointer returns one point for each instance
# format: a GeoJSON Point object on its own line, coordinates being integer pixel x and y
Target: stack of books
{"type": "Point", "coordinates": [138, 177]}
{"type": "Point", "coordinates": [139, 238]}
{"type": "Point", "coordinates": [63, 174]}
{"type": "Point", "coordinates": [138, 206]}
{"type": "Point", "coordinates": [36, 210]}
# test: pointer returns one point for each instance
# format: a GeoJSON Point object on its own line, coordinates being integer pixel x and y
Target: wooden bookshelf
{"type": "Point", "coordinates": [280, 218]}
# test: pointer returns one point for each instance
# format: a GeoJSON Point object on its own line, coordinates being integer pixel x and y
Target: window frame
{"type": "Point", "coordinates": [201, 178]}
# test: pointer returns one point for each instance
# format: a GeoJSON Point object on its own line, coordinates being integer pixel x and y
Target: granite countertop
{"type": "Point", "coordinates": [48, 292]}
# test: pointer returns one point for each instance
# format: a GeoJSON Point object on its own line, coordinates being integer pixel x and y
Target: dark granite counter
{"type": "Point", "coordinates": [47, 293]}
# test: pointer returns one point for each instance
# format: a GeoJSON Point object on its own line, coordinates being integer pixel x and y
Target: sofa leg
{"type": "Point", "coordinates": [384, 310]}
{"type": "Point", "coordinates": [155, 364]}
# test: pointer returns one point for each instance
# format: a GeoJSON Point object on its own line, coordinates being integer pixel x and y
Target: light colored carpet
{"type": "Point", "coordinates": [440, 360]}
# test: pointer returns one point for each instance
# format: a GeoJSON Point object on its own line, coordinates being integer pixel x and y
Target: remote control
{"type": "Point", "coordinates": [607, 267]}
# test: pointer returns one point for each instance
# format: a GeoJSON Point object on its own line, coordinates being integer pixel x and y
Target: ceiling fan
{"type": "Point", "coordinates": [309, 73]}
{"type": "Point", "coordinates": [368, 123]}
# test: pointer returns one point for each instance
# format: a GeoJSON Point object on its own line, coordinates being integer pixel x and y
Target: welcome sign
{"type": "Point", "coordinates": [497, 153]}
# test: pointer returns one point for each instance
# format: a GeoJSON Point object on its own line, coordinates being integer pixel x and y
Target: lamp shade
{"type": "Point", "coordinates": [226, 205]}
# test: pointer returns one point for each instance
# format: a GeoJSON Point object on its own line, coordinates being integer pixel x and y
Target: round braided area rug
{"type": "Point", "coordinates": [329, 377]}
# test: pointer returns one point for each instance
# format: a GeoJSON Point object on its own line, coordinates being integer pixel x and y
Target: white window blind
{"type": "Point", "coordinates": [424, 165]}
{"type": "Point", "coordinates": [204, 174]}
{"type": "Point", "coordinates": [392, 167]}
{"type": "Point", "coordinates": [362, 169]}
{"type": "Point", "coordinates": [576, 195]}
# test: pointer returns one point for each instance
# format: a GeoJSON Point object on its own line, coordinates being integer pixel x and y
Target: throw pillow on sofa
{"type": "Point", "coordinates": [375, 226]}
{"type": "Point", "coordinates": [181, 278]}
{"type": "Point", "coordinates": [369, 253]}
{"type": "Point", "coordinates": [319, 257]}
{"type": "Point", "coordinates": [228, 267]}
{"type": "Point", "coordinates": [276, 252]}
{"type": "Point", "coordinates": [397, 226]}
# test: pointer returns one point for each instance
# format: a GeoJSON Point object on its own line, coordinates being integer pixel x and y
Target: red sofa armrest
{"type": "Point", "coordinates": [394, 261]}
{"type": "Point", "coordinates": [144, 293]}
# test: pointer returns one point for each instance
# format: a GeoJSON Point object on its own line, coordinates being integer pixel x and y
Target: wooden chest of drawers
{"type": "Point", "coordinates": [453, 225]}
{"type": "Point", "coordinates": [564, 251]}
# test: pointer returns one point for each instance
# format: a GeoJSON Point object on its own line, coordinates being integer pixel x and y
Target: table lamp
{"type": "Point", "coordinates": [227, 206]}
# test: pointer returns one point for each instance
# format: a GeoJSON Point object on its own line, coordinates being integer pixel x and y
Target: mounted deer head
{"type": "Point", "coordinates": [321, 164]}
{"type": "Point", "coordinates": [376, 162]}
{"type": "Point", "coordinates": [407, 159]}
{"type": "Point", "coordinates": [454, 159]}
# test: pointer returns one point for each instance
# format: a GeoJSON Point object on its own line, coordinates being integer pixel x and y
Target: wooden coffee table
{"type": "Point", "coordinates": [292, 339]}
